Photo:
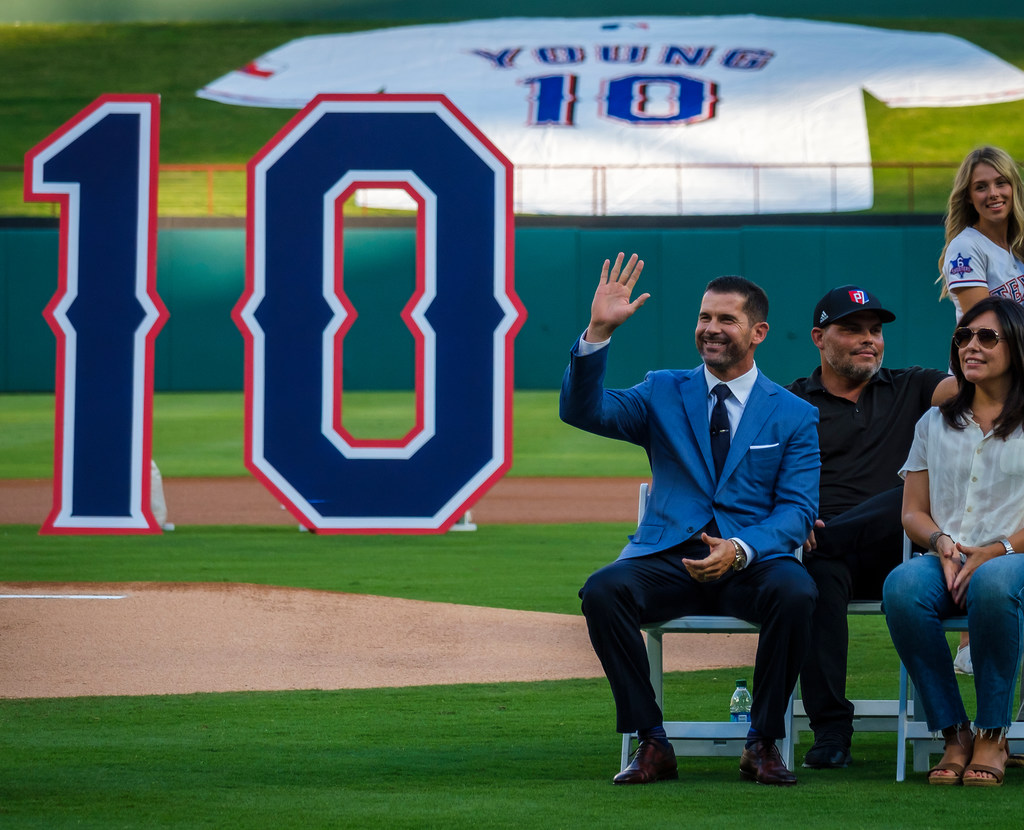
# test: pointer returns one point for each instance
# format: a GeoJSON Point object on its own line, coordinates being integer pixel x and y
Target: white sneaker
{"type": "Point", "coordinates": [962, 662]}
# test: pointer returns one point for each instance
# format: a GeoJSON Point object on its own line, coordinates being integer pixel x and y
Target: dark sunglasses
{"type": "Point", "coordinates": [987, 338]}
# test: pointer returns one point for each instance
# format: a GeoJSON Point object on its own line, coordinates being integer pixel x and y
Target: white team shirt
{"type": "Point", "coordinates": [972, 260]}
{"type": "Point", "coordinates": [975, 481]}
{"type": "Point", "coordinates": [623, 94]}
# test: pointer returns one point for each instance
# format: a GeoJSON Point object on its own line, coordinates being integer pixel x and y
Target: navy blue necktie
{"type": "Point", "coordinates": [720, 429]}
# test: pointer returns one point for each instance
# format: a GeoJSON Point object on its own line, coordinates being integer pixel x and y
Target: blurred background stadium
{"type": "Point", "coordinates": [56, 57]}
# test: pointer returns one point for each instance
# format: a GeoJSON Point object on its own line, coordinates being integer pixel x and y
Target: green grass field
{"type": "Point", "coordinates": [530, 755]}
{"type": "Point", "coordinates": [201, 434]}
{"type": "Point", "coordinates": [524, 755]}
{"type": "Point", "coordinates": [50, 72]}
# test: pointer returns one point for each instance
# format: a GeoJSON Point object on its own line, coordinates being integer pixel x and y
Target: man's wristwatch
{"type": "Point", "coordinates": [740, 562]}
{"type": "Point", "coordinates": [1002, 540]}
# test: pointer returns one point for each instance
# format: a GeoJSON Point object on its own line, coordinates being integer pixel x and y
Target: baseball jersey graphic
{"type": "Point", "coordinates": [769, 110]}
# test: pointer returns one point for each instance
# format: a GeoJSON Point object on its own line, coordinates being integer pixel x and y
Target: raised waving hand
{"type": "Point", "coordinates": [612, 306]}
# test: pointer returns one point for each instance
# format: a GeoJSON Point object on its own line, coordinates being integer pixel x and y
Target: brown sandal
{"type": "Point", "coordinates": [946, 780]}
{"type": "Point", "coordinates": [975, 781]}
{"type": "Point", "coordinates": [952, 737]}
{"type": "Point", "coordinates": [997, 773]}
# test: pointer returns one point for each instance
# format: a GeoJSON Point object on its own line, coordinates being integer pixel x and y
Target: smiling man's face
{"type": "Point", "coordinates": [852, 346]}
{"type": "Point", "coordinates": [725, 337]}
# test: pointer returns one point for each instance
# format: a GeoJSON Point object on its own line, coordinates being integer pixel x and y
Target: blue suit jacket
{"type": "Point", "coordinates": [768, 492]}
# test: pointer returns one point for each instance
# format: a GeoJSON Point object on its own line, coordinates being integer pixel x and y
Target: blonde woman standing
{"type": "Point", "coordinates": [984, 250]}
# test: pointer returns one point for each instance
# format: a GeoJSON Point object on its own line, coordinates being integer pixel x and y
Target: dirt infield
{"type": "Point", "coordinates": [65, 640]}
{"type": "Point", "coordinates": [231, 501]}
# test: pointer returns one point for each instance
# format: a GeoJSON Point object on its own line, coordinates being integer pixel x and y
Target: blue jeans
{"type": "Point", "coordinates": [915, 601]}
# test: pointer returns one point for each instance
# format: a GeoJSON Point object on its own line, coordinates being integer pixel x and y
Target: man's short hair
{"type": "Point", "coordinates": [755, 301]}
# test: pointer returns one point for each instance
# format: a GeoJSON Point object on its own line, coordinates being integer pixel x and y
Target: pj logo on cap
{"type": "Point", "coordinates": [844, 300]}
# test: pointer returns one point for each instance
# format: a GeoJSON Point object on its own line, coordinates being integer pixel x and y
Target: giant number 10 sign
{"type": "Point", "coordinates": [463, 315]}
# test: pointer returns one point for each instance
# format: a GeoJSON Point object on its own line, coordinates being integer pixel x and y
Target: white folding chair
{"type": "Point", "coordinates": [705, 738]}
{"type": "Point", "coordinates": [869, 714]}
{"type": "Point", "coordinates": [925, 742]}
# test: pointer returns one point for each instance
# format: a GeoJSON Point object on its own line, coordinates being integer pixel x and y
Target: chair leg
{"type": "Point", "coordinates": [655, 657]}
{"type": "Point", "coordinates": [789, 742]}
{"type": "Point", "coordinates": [901, 726]}
{"type": "Point", "coordinates": [627, 745]}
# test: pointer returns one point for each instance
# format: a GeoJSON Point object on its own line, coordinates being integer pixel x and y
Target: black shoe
{"type": "Point", "coordinates": [828, 752]}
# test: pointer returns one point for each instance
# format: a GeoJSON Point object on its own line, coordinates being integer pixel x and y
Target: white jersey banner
{"type": "Point", "coordinates": [658, 115]}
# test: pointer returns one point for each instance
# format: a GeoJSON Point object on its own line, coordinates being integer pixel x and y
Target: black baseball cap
{"type": "Point", "coordinates": [846, 300]}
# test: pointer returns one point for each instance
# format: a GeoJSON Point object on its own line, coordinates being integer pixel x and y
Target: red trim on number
{"type": "Point", "coordinates": [406, 314]}
{"type": "Point", "coordinates": [49, 312]}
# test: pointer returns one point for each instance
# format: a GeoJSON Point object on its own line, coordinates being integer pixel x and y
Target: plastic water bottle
{"type": "Point", "coordinates": [739, 706]}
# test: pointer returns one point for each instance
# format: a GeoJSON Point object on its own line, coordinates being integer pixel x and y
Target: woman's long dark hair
{"type": "Point", "coordinates": [1011, 321]}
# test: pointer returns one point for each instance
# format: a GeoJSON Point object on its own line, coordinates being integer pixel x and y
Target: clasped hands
{"type": "Point", "coordinates": [959, 562]}
{"type": "Point", "coordinates": [719, 561]}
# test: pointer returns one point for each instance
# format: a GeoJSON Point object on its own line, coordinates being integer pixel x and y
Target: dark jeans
{"type": "Point", "coordinates": [856, 551]}
{"type": "Point", "coordinates": [620, 597]}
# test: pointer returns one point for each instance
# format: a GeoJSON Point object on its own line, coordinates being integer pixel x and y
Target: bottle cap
{"type": "Point", "coordinates": [741, 683]}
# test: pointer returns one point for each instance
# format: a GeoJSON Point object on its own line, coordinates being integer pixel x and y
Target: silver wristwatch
{"type": "Point", "coordinates": [1002, 540]}
{"type": "Point", "coordinates": [740, 562]}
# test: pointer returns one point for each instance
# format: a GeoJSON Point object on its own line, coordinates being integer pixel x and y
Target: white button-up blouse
{"type": "Point", "coordinates": [975, 481]}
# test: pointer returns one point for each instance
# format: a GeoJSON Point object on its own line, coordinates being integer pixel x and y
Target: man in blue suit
{"type": "Point", "coordinates": [734, 463]}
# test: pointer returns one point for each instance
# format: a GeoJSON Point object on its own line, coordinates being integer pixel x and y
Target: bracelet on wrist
{"type": "Point", "coordinates": [1003, 542]}
{"type": "Point", "coordinates": [933, 540]}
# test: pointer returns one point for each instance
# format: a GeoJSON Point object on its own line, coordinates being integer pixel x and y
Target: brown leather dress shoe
{"type": "Point", "coordinates": [652, 761]}
{"type": "Point", "coordinates": [763, 764]}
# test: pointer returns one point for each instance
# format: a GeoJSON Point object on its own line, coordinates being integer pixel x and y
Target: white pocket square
{"type": "Point", "coordinates": [763, 446]}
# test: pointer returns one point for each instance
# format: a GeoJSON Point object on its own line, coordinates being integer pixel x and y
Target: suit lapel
{"type": "Point", "coordinates": [760, 405]}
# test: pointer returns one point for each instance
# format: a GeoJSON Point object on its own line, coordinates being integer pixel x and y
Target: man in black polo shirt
{"type": "Point", "coordinates": [866, 425]}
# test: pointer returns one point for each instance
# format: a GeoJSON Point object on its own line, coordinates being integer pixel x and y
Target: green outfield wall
{"type": "Point", "coordinates": [201, 275]}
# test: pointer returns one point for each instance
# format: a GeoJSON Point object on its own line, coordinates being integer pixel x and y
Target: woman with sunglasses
{"type": "Point", "coordinates": [984, 249]}
{"type": "Point", "coordinates": [964, 502]}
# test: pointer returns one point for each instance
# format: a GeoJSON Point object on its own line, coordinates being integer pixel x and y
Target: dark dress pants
{"type": "Point", "coordinates": [855, 552]}
{"type": "Point", "coordinates": [776, 593]}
